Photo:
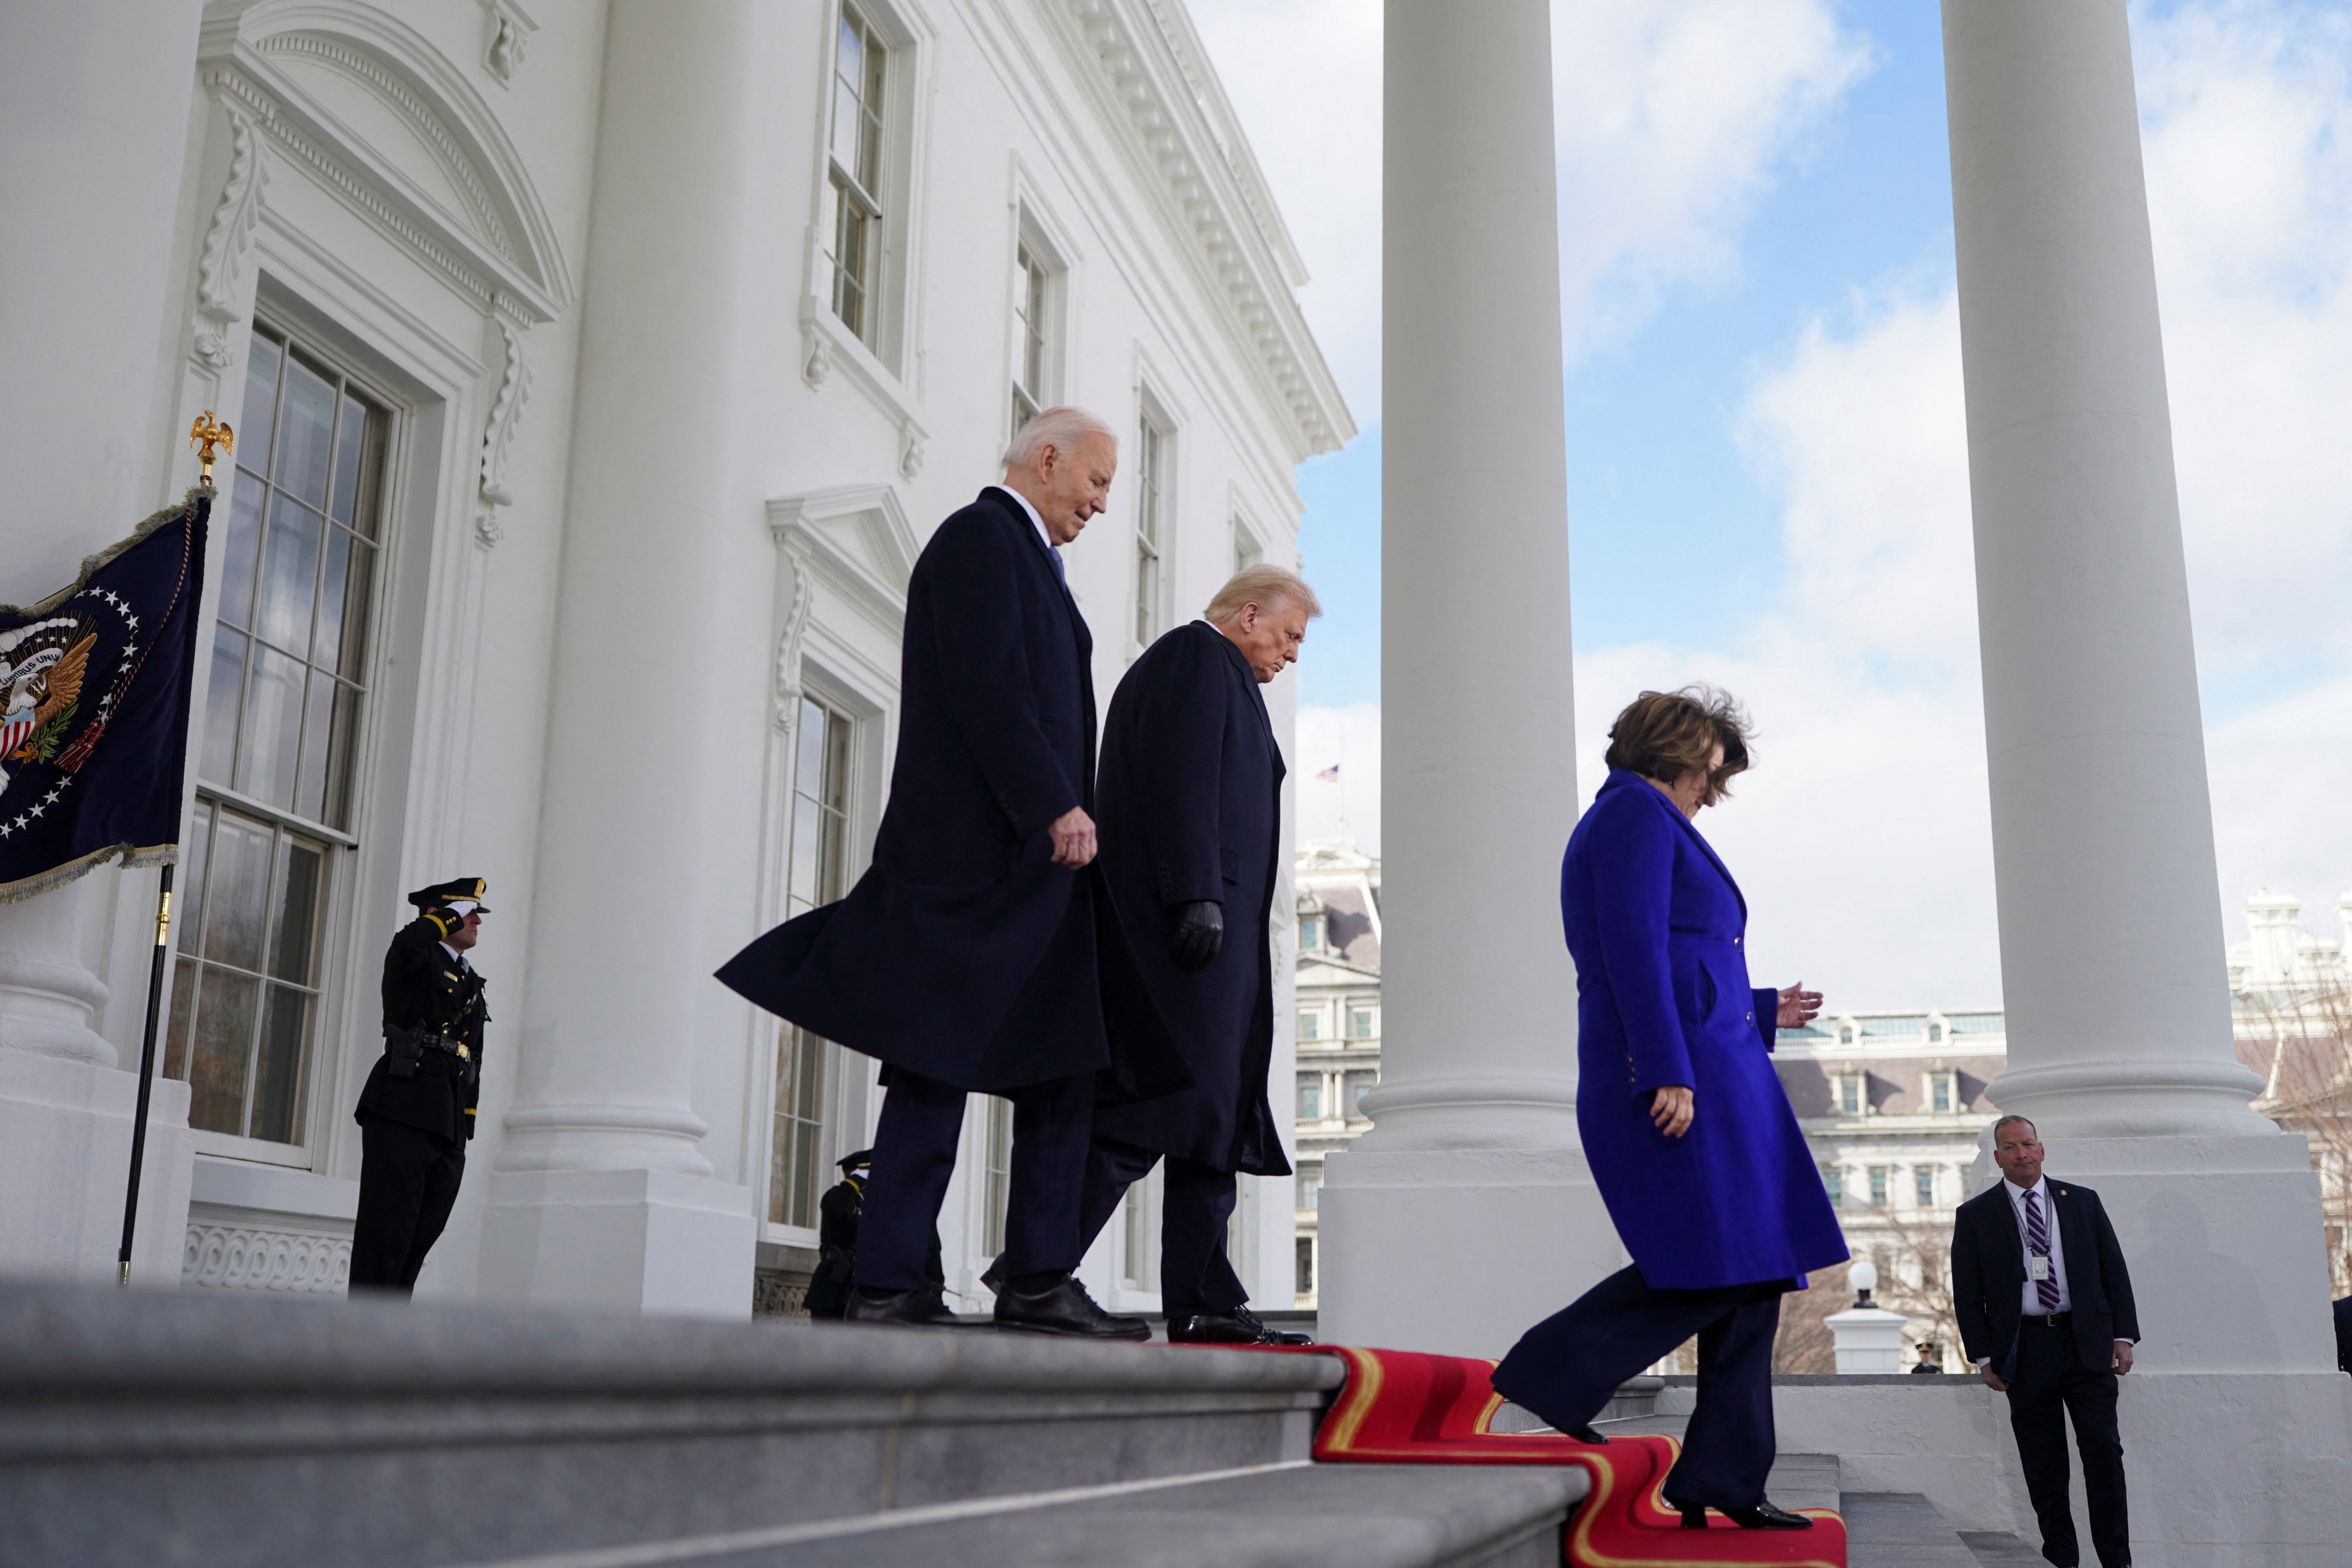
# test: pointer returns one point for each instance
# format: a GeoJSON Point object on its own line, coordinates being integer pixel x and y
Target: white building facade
{"type": "Point", "coordinates": [598, 373]}
{"type": "Point", "coordinates": [1338, 1023]}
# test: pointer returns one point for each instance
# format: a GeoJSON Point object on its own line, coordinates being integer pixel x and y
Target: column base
{"type": "Point", "coordinates": [65, 1167]}
{"type": "Point", "coordinates": [639, 1241]}
{"type": "Point", "coordinates": [1455, 1251]}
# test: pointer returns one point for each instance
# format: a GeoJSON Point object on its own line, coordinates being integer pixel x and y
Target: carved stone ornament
{"type": "Point", "coordinates": [910, 452]}
{"type": "Point", "coordinates": [819, 363]}
{"type": "Point", "coordinates": [251, 1258]}
{"type": "Point", "coordinates": [498, 435]}
{"type": "Point", "coordinates": [227, 242]}
{"type": "Point", "coordinates": [506, 37]}
{"type": "Point", "coordinates": [788, 649]}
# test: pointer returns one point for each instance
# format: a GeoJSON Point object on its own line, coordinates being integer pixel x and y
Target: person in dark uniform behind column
{"type": "Point", "coordinates": [836, 1239]}
{"type": "Point", "coordinates": [1191, 841]}
{"type": "Point", "coordinates": [416, 1113]}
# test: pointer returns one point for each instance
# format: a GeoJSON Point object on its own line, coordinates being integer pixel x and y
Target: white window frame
{"type": "Point", "coordinates": [1032, 227]}
{"type": "Point", "coordinates": [1155, 510]}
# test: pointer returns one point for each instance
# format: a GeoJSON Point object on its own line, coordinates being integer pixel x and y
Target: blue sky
{"type": "Point", "coordinates": [1767, 481]}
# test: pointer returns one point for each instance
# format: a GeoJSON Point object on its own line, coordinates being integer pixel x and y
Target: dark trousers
{"type": "Point", "coordinates": [1566, 1368]}
{"type": "Point", "coordinates": [2051, 1384]}
{"type": "Point", "coordinates": [914, 1155]}
{"type": "Point", "coordinates": [408, 1182]}
{"type": "Point", "coordinates": [1196, 1205]}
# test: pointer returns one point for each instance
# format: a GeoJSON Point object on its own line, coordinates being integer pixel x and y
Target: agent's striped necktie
{"type": "Point", "coordinates": [2037, 1239]}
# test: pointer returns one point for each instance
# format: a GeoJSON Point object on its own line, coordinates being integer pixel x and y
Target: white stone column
{"type": "Point", "coordinates": [2112, 949]}
{"type": "Point", "coordinates": [94, 115]}
{"type": "Point", "coordinates": [602, 1194]}
{"type": "Point", "coordinates": [1473, 1149]}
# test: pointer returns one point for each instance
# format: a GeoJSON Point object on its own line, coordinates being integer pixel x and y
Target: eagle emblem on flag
{"type": "Point", "coordinates": [41, 671]}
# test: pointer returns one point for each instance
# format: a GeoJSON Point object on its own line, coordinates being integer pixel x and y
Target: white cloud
{"type": "Point", "coordinates": [1670, 116]}
{"type": "Point", "coordinates": [1349, 807]}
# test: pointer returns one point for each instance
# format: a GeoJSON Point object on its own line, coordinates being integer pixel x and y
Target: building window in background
{"type": "Point", "coordinates": [1923, 1187]}
{"type": "Point", "coordinates": [854, 241]}
{"type": "Point", "coordinates": [1943, 1092]}
{"type": "Point", "coordinates": [1878, 1186]}
{"type": "Point", "coordinates": [1357, 1084]}
{"type": "Point", "coordinates": [279, 757]}
{"type": "Point", "coordinates": [1310, 1191]}
{"type": "Point", "coordinates": [1310, 1027]}
{"type": "Point", "coordinates": [1152, 526]}
{"type": "Point", "coordinates": [1031, 277]}
{"type": "Point", "coordinates": [1850, 1099]}
{"type": "Point", "coordinates": [1310, 1096]}
{"type": "Point", "coordinates": [815, 873]}
{"type": "Point", "coordinates": [996, 1175]}
{"type": "Point", "coordinates": [1360, 1023]}
{"type": "Point", "coordinates": [1833, 1183]}
{"type": "Point", "coordinates": [1310, 932]}
{"type": "Point", "coordinates": [1305, 1281]}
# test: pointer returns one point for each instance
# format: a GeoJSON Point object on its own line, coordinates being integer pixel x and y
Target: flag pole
{"type": "Point", "coordinates": [146, 1072]}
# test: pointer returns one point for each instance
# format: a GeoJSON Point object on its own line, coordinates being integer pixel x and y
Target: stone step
{"type": "Point", "coordinates": [1994, 1550]}
{"type": "Point", "coordinates": [165, 1429]}
{"type": "Point", "coordinates": [1900, 1529]}
{"type": "Point", "coordinates": [1291, 1516]}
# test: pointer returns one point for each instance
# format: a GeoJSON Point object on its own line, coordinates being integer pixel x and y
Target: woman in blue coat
{"type": "Point", "coordinates": [1687, 1129]}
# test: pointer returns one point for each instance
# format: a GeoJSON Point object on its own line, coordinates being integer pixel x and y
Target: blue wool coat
{"type": "Point", "coordinates": [1659, 931]}
{"type": "Point", "coordinates": [964, 953]}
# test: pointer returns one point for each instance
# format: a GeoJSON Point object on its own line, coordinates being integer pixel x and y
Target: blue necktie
{"type": "Point", "coordinates": [1060, 575]}
{"type": "Point", "coordinates": [2037, 1239]}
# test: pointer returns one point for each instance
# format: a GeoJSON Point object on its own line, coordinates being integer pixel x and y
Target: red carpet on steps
{"type": "Point", "coordinates": [1401, 1407]}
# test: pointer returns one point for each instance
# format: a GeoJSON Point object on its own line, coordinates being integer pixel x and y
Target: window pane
{"type": "Point", "coordinates": [342, 746]}
{"type": "Point", "coordinates": [221, 694]}
{"type": "Point", "coordinates": [317, 744]}
{"type": "Point", "coordinates": [1310, 1096]}
{"type": "Point", "coordinates": [289, 576]}
{"type": "Point", "coordinates": [808, 773]}
{"type": "Point", "coordinates": [175, 1034]}
{"type": "Point", "coordinates": [261, 361]}
{"type": "Point", "coordinates": [327, 637]}
{"type": "Point", "coordinates": [1310, 1191]}
{"type": "Point", "coordinates": [350, 451]}
{"type": "Point", "coordinates": [240, 550]}
{"type": "Point", "coordinates": [223, 1047]}
{"type": "Point", "coordinates": [273, 724]}
{"type": "Point", "coordinates": [998, 1166]}
{"type": "Point", "coordinates": [351, 614]}
{"type": "Point", "coordinates": [236, 901]}
{"type": "Point", "coordinates": [278, 1068]}
{"type": "Point", "coordinates": [1923, 1183]}
{"type": "Point", "coordinates": [807, 828]}
{"type": "Point", "coordinates": [297, 913]}
{"type": "Point", "coordinates": [1305, 1281]}
{"type": "Point", "coordinates": [1359, 1084]}
{"type": "Point", "coordinates": [188, 902]}
{"type": "Point", "coordinates": [306, 423]}
{"type": "Point", "coordinates": [836, 764]}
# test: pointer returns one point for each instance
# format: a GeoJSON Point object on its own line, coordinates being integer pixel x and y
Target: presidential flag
{"type": "Point", "coordinates": [94, 708]}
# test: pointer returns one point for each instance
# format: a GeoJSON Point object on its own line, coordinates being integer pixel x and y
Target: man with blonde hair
{"type": "Point", "coordinates": [977, 954]}
{"type": "Point", "coordinates": [1192, 828]}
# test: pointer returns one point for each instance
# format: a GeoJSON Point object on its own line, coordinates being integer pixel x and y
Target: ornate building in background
{"type": "Point", "coordinates": [1339, 1013]}
{"type": "Point", "coordinates": [2291, 1011]}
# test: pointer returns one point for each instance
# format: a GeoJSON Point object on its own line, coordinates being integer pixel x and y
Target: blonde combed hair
{"type": "Point", "coordinates": [1261, 585]}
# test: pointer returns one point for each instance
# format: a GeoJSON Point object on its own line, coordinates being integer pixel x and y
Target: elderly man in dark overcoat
{"type": "Point", "coordinates": [971, 956]}
{"type": "Point", "coordinates": [1192, 831]}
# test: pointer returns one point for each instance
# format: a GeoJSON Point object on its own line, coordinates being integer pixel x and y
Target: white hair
{"type": "Point", "coordinates": [1061, 428]}
{"type": "Point", "coordinates": [1261, 585]}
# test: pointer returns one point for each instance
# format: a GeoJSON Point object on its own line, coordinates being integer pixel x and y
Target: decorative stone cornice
{"type": "Point", "coordinates": [227, 242]}
{"type": "Point", "coordinates": [1135, 51]}
{"type": "Point", "coordinates": [498, 435]}
{"type": "Point", "coordinates": [256, 1257]}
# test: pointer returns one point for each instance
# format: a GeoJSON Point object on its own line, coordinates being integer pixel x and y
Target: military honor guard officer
{"type": "Point", "coordinates": [2045, 1310]}
{"type": "Point", "coordinates": [1190, 795]}
{"type": "Point", "coordinates": [979, 953]}
{"type": "Point", "coordinates": [417, 1112]}
{"type": "Point", "coordinates": [1688, 1131]}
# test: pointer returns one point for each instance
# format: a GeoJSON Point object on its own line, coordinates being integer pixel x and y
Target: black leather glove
{"type": "Point", "coordinates": [1200, 933]}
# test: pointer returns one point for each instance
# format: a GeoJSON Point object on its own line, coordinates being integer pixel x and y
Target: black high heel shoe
{"type": "Point", "coordinates": [1763, 1516]}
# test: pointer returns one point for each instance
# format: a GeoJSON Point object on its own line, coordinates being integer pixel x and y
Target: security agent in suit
{"type": "Point", "coordinates": [977, 954]}
{"type": "Point", "coordinates": [2045, 1310]}
{"type": "Point", "coordinates": [1190, 794]}
{"type": "Point", "coordinates": [417, 1112]}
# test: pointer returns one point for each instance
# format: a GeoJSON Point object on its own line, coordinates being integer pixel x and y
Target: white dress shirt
{"type": "Point", "coordinates": [1034, 520]}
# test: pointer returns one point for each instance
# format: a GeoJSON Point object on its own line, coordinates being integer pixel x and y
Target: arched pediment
{"type": "Point", "coordinates": [397, 129]}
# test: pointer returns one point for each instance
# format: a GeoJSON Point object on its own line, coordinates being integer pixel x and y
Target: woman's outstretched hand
{"type": "Point", "coordinates": [1799, 1006]}
{"type": "Point", "coordinates": [1671, 1109]}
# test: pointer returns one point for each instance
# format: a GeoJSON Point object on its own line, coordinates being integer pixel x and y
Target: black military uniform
{"type": "Point", "coordinates": [416, 1113]}
{"type": "Point", "coordinates": [838, 1213]}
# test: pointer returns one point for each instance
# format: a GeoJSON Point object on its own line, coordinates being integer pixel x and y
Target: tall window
{"type": "Point", "coordinates": [1849, 1094]}
{"type": "Point", "coordinates": [1360, 1023]}
{"type": "Point", "coordinates": [1833, 1183]}
{"type": "Point", "coordinates": [1943, 1092]}
{"type": "Point", "coordinates": [1310, 1027]}
{"type": "Point", "coordinates": [1030, 279]}
{"type": "Point", "coordinates": [1923, 1186]}
{"type": "Point", "coordinates": [1150, 528]}
{"type": "Point", "coordinates": [281, 742]}
{"type": "Point", "coordinates": [1141, 1208]}
{"type": "Point", "coordinates": [996, 1176]}
{"type": "Point", "coordinates": [1310, 1096]}
{"type": "Point", "coordinates": [1310, 1191]}
{"type": "Point", "coordinates": [1310, 932]}
{"type": "Point", "coordinates": [1878, 1186]}
{"type": "Point", "coordinates": [1305, 1281]}
{"type": "Point", "coordinates": [860, 63]}
{"type": "Point", "coordinates": [1246, 552]}
{"type": "Point", "coordinates": [815, 874]}
{"type": "Point", "coordinates": [1357, 1084]}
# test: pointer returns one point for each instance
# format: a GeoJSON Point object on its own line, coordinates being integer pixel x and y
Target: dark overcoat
{"type": "Point", "coordinates": [964, 953]}
{"type": "Point", "coordinates": [1659, 931]}
{"type": "Point", "coordinates": [425, 988]}
{"type": "Point", "coordinates": [1191, 810]}
{"type": "Point", "coordinates": [1988, 1276]}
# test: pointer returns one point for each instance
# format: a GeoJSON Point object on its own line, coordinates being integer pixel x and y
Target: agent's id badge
{"type": "Point", "coordinates": [2037, 1266]}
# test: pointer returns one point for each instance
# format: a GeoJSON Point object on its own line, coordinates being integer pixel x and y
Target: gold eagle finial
{"type": "Point", "coordinates": [205, 435]}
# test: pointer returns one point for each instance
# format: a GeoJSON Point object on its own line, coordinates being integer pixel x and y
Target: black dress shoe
{"type": "Point", "coordinates": [1763, 1516]}
{"type": "Point", "coordinates": [1064, 1309]}
{"type": "Point", "coordinates": [1239, 1327]}
{"type": "Point", "coordinates": [1583, 1435]}
{"type": "Point", "coordinates": [922, 1308]}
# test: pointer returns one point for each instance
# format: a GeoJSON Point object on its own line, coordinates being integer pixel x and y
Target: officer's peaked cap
{"type": "Point", "coordinates": [440, 893]}
{"type": "Point", "coordinates": [852, 1162]}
